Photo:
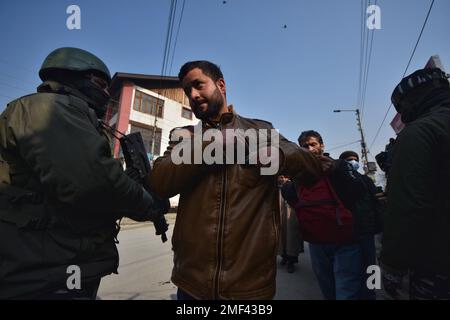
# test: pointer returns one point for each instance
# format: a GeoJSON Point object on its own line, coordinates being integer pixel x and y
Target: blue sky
{"type": "Point", "coordinates": [293, 77]}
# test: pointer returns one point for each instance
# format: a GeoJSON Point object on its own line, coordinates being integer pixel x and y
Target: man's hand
{"type": "Point", "coordinates": [282, 180]}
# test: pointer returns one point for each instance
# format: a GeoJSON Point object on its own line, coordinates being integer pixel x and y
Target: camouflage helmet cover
{"type": "Point", "coordinates": [73, 59]}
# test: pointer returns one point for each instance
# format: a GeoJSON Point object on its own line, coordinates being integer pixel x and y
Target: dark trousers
{"type": "Point", "coordinates": [368, 251]}
{"type": "Point", "coordinates": [183, 295]}
{"type": "Point", "coordinates": [88, 291]}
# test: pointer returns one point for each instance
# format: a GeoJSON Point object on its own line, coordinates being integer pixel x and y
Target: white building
{"type": "Point", "coordinates": [152, 105]}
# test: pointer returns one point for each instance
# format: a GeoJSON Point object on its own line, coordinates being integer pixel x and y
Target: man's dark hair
{"type": "Point", "coordinates": [210, 69]}
{"type": "Point", "coordinates": [308, 134]}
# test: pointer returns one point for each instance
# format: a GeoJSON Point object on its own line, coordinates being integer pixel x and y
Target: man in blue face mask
{"type": "Point", "coordinates": [352, 158]}
{"type": "Point", "coordinates": [366, 216]}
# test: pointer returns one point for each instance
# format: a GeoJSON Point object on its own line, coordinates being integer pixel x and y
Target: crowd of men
{"type": "Point", "coordinates": [62, 193]}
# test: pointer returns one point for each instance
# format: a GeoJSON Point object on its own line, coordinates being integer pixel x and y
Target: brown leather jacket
{"type": "Point", "coordinates": [227, 227]}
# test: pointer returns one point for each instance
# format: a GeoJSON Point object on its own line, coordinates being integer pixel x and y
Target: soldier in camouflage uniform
{"type": "Point", "coordinates": [61, 191]}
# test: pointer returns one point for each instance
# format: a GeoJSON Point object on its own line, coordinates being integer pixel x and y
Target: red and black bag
{"type": "Point", "coordinates": [322, 217]}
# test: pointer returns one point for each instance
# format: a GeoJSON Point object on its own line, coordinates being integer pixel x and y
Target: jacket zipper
{"type": "Point", "coordinates": [220, 234]}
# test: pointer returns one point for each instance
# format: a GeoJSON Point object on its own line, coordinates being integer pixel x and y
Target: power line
{"type": "Point", "coordinates": [361, 53]}
{"type": "Point", "coordinates": [344, 145]}
{"type": "Point", "coordinates": [176, 37]}
{"type": "Point", "coordinates": [367, 70]}
{"type": "Point", "coordinates": [406, 70]}
{"type": "Point", "coordinates": [166, 55]}
{"type": "Point", "coordinates": [167, 46]}
{"type": "Point", "coordinates": [418, 39]}
{"type": "Point", "coordinates": [365, 60]}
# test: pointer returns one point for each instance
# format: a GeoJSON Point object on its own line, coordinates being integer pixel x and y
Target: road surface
{"type": "Point", "coordinates": [146, 266]}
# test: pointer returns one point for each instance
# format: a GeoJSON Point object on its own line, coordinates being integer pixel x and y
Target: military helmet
{"type": "Point", "coordinates": [73, 59]}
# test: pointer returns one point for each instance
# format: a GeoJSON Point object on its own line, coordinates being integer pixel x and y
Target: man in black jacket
{"type": "Point", "coordinates": [416, 237]}
{"type": "Point", "coordinates": [366, 221]}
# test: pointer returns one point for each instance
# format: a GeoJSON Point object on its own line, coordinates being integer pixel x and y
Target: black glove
{"type": "Point", "coordinates": [160, 208]}
{"type": "Point", "coordinates": [151, 208]}
{"type": "Point", "coordinates": [161, 226]}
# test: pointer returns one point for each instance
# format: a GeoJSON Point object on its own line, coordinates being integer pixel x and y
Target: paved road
{"type": "Point", "coordinates": [146, 265]}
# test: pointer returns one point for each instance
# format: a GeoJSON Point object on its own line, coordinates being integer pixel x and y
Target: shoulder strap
{"type": "Point", "coordinates": [333, 192]}
{"type": "Point", "coordinates": [338, 201]}
{"type": "Point", "coordinates": [304, 204]}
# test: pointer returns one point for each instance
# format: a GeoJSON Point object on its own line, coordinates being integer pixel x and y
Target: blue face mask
{"type": "Point", "coordinates": [355, 164]}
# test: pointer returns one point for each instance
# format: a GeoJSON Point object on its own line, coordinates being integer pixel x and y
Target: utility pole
{"type": "Point", "coordinates": [363, 141]}
{"type": "Point", "coordinates": [157, 106]}
{"type": "Point", "coordinates": [154, 134]}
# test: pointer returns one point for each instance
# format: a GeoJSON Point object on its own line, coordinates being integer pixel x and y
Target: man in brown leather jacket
{"type": "Point", "coordinates": [227, 228]}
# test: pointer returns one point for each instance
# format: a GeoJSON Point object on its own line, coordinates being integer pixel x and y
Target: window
{"type": "Point", "coordinates": [186, 113]}
{"type": "Point", "coordinates": [148, 104]}
{"type": "Point", "coordinates": [147, 135]}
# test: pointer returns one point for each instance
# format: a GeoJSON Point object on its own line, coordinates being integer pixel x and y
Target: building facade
{"type": "Point", "coordinates": [152, 105]}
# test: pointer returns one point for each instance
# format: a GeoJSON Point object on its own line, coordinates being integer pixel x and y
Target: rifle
{"type": "Point", "coordinates": [136, 158]}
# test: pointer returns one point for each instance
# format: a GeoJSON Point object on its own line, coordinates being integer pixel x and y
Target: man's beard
{"type": "Point", "coordinates": [215, 103]}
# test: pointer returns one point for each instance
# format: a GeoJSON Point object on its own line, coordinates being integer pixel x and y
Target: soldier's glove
{"type": "Point", "coordinates": [392, 281]}
{"type": "Point", "coordinates": [159, 209]}
{"type": "Point", "coordinates": [161, 226]}
{"type": "Point", "coordinates": [151, 209]}
{"type": "Point", "coordinates": [161, 206]}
